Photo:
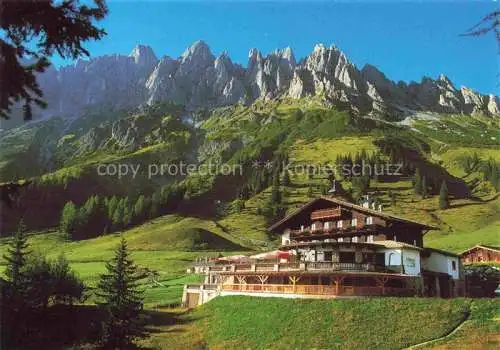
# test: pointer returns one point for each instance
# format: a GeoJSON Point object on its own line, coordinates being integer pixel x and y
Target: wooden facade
{"type": "Point", "coordinates": [480, 254]}
{"type": "Point", "coordinates": [335, 249]}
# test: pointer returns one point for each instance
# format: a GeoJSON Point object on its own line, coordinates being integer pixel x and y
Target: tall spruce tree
{"type": "Point", "coordinates": [121, 300]}
{"type": "Point", "coordinates": [444, 201]}
{"type": "Point", "coordinates": [275, 191]}
{"type": "Point", "coordinates": [286, 178]}
{"type": "Point", "coordinates": [69, 219]}
{"type": "Point", "coordinates": [417, 182]}
{"type": "Point", "coordinates": [140, 209]}
{"type": "Point", "coordinates": [15, 259]}
{"type": "Point", "coordinates": [424, 187]}
{"type": "Point", "coordinates": [14, 292]}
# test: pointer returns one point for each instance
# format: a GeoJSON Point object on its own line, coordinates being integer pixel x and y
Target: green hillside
{"type": "Point", "coordinates": [211, 213]}
{"type": "Point", "coordinates": [389, 323]}
{"type": "Point", "coordinates": [164, 247]}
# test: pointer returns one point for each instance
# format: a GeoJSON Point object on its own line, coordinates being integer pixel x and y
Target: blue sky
{"type": "Point", "coordinates": [405, 40]}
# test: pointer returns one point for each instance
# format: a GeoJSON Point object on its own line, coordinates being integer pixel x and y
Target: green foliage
{"type": "Point", "coordinates": [444, 201]}
{"type": "Point", "coordinates": [69, 219]}
{"type": "Point", "coordinates": [140, 208]}
{"type": "Point", "coordinates": [52, 282]}
{"type": "Point", "coordinates": [392, 197]}
{"type": "Point", "coordinates": [121, 300]}
{"type": "Point", "coordinates": [418, 182]}
{"type": "Point", "coordinates": [29, 36]}
{"type": "Point", "coordinates": [286, 178]}
{"type": "Point", "coordinates": [425, 188]}
{"type": "Point", "coordinates": [310, 191]}
{"type": "Point", "coordinates": [491, 173]}
{"type": "Point", "coordinates": [16, 262]}
{"type": "Point", "coordinates": [33, 283]}
{"type": "Point", "coordinates": [238, 205]}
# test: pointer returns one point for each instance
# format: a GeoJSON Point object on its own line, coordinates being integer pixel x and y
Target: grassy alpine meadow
{"type": "Point", "coordinates": [164, 247]}
{"type": "Point", "coordinates": [240, 322]}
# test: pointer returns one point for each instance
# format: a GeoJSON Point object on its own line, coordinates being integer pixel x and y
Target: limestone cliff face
{"type": "Point", "coordinates": [199, 79]}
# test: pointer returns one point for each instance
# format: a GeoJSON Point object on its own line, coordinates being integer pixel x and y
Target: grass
{"type": "Point", "coordinates": [481, 331]}
{"type": "Point", "coordinates": [165, 245]}
{"type": "Point", "coordinates": [326, 150]}
{"type": "Point", "coordinates": [240, 322]}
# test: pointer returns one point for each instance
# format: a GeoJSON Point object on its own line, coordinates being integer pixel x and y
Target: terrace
{"type": "Point", "coordinates": [319, 290]}
{"type": "Point", "coordinates": [319, 231]}
{"type": "Point", "coordinates": [325, 266]}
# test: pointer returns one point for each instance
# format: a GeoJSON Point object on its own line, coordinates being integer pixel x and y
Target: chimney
{"type": "Point", "coordinates": [365, 202]}
{"type": "Point", "coordinates": [334, 187]}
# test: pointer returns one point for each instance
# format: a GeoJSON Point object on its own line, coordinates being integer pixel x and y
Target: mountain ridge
{"type": "Point", "coordinates": [199, 79]}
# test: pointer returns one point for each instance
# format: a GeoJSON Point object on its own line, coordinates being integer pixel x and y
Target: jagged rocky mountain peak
{"type": "Point", "coordinates": [198, 50]}
{"type": "Point", "coordinates": [198, 79]}
{"type": "Point", "coordinates": [143, 55]}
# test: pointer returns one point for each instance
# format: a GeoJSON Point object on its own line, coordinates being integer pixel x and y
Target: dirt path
{"type": "Point", "coordinates": [456, 329]}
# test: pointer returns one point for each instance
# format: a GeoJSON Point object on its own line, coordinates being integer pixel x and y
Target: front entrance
{"type": "Point", "coordinates": [192, 300]}
{"type": "Point", "coordinates": [444, 286]}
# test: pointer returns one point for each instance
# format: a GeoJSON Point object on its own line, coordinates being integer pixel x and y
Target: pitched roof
{"type": "Point", "coordinates": [352, 206]}
{"type": "Point", "coordinates": [396, 245]}
{"type": "Point", "coordinates": [488, 247]}
{"type": "Point", "coordinates": [444, 252]}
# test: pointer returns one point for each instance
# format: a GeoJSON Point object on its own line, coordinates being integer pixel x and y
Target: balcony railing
{"type": "Point", "coordinates": [333, 230]}
{"type": "Point", "coordinates": [318, 289]}
{"type": "Point", "coordinates": [310, 266]}
{"type": "Point", "coordinates": [325, 213]}
{"type": "Point", "coordinates": [264, 267]}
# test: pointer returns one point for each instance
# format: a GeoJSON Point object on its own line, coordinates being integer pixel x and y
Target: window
{"type": "Point", "coordinates": [454, 265]}
{"type": "Point", "coordinates": [355, 239]}
{"type": "Point", "coordinates": [369, 220]}
{"type": "Point", "coordinates": [313, 227]}
{"type": "Point", "coordinates": [354, 222]}
{"type": "Point", "coordinates": [327, 225]}
{"type": "Point", "coordinates": [340, 239]}
{"type": "Point", "coordinates": [301, 228]}
{"type": "Point", "coordinates": [327, 256]}
{"type": "Point", "coordinates": [339, 224]}
{"type": "Point", "coordinates": [369, 239]}
{"type": "Point", "coordinates": [347, 257]}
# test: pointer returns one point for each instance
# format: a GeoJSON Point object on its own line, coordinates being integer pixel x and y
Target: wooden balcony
{"type": "Point", "coordinates": [320, 290]}
{"type": "Point", "coordinates": [326, 214]}
{"type": "Point", "coordinates": [310, 266]}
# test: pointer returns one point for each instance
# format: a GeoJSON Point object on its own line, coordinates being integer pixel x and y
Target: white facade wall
{"type": "Point", "coordinates": [285, 237]}
{"type": "Point", "coordinates": [438, 262]}
{"type": "Point", "coordinates": [409, 258]}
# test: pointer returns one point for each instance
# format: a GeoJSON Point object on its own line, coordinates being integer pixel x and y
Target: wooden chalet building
{"type": "Point", "coordinates": [333, 248]}
{"type": "Point", "coordinates": [480, 254]}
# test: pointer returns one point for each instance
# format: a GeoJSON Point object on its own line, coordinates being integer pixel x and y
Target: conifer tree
{"type": "Point", "coordinates": [444, 202]}
{"type": "Point", "coordinates": [494, 178]}
{"type": "Point", "coordinates": [128, 212]}
{"type": "Point", "coordinates": [417, 182]}
{"type": "Point", "coordinates": [154, 208]}
{"type": "Point", "coordinates": [69, 219]}
{"type": "Point", "coordinates": [112, 205]}
{"type": "Point", "coordinates": [392, 197]}
{"type": "Point", "coordinates": [13, 305]}
{"type": "Point", "coordinates": [32, 32]}
{"type": "Point", "coordinates": [16, 260]}
{"type": "Point", "coordinates": [424, 187]}
{"type": "Point", "coordinates": [286, 178]}
{"type": "Point", "coordinates": [121, 300]}
{"type": "Point", "coordinates": [117, 218]}
{"type": "Point", "coordinates": [310, 191]}
{"type": "Point", "coordinates": [275, 192]}
{"type": "Point", "coordinates": [140, 208]}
